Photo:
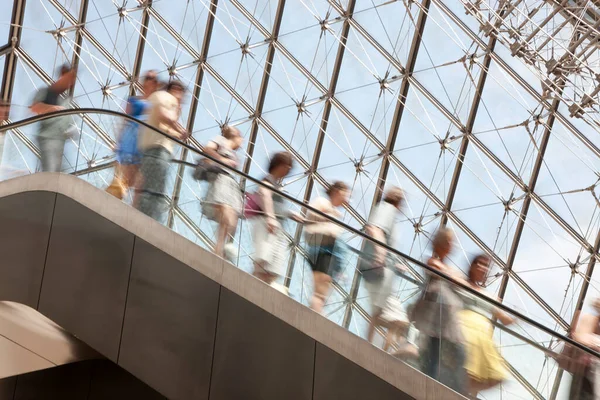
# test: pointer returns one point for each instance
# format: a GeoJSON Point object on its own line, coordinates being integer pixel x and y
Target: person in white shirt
{"type": "Point", "coordinates": [157, 150]}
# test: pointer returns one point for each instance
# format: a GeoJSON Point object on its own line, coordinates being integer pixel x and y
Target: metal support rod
{"type": "Point", "coordinates": [335, 74]}
{"type": "Point", "coordinates": [262, 93]}
{"type": "Point", "coordinates": [210, 21]}
{"type": "Point", "coordinates": [462, 152]}
{"type": "Point", "coordinates": [116, 64]}
{"type": "Point", "coordinates": [139, 53]}
{"type": "Point", "coordinates": [527, 201]}
{"type": "Point", "coordinates": [518, 78]}
{"type": "Point", "coordinates": [393, 134]}
{"type": "Point", "coordinates": [79, 37]}
{"type": "Point", "coordinates": [14, 39]}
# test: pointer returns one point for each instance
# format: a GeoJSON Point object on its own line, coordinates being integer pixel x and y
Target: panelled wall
{"type": "Point", "coordinates": [180, 332]}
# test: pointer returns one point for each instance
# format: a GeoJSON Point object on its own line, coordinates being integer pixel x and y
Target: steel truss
{"type": "Point", "coordinates": [510, 23]}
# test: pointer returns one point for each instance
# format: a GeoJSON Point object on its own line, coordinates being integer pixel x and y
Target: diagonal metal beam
{"type": "Point", "coordinates": [194, 104]}
{"type": "Point", "coordinates": [264, 85]}
{"type": "Point", "coordinates": [79, 37]}
{"type": "Point", "coordinates": [14, 39]}
{"type": "Point", "coordinates": [527, 201]}
{"type": "Point", "coordinates": [141, 46]}
{"type": "Point", "coordinates": [116, 64]}
{"type": "Point", "coordinates": [393, 134]}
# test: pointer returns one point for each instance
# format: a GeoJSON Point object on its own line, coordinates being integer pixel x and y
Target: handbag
{"type": "Point", "coordinates": [252, 206]}
{"type": "Point", "coordinates": [206, 170]}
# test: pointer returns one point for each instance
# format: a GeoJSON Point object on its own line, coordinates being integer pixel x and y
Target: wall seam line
{"type": "Point", "coordinates": [212, 362]}
{"type": "Point", "coordinates": [37, 307]}
{"type": "Point", "coordinates": [126, 298]}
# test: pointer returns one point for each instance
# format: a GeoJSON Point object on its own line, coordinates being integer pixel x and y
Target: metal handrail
{"type": "Point", "coordinates": [433, 271]}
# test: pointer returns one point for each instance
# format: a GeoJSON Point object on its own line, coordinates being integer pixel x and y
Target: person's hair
{"type": "Point", "coordinates": [230, 132]}
{"type": "Point", "coordinates": [443, 234]}
{"type": "Point", "coordinates": [281, 158]}
{"type": "Point", "coordinates": [175, 84]}
{"type": "Point", "coordinates": [394, 196]}
{"type": "Point", "coordinates": [64, 69]}
{"type": "Point", "coordinates": [150, 75]}
{"type": "Point", "coordinates": [474, 261]}
{"type": "Point", "coordinates": [338, 186]}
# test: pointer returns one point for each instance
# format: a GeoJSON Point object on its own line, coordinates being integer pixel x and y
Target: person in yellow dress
{"type": "Point", "coordinates": [484, 364]}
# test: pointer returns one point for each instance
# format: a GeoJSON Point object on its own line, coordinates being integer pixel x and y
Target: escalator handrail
{"type": "Point", "coordinates": [433, 271]}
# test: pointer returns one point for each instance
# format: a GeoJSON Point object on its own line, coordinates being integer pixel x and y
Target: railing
{"type": "Point", "coordinates": [527, 346]}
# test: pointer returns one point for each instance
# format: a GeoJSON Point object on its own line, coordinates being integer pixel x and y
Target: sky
{"type": "Point", "coordinates": [503, 123]}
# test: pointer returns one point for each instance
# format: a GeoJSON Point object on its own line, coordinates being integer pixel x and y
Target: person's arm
{"type": "Point", "coordinates": [501, 316]}
{"type": "Point", "coordinates": [585, 331]}
{"type": "Point", "coordinates": [268, 209]}
{"type": "Point", "coordinates": [43, 108]}
{"type": "Point", "coordinates": [211, 150]}
{"type": "Point", "coordinates": [39, 107]}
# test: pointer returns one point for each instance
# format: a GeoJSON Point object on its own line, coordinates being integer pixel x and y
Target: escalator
{"type": "Point", "coordinates": [160, 306]}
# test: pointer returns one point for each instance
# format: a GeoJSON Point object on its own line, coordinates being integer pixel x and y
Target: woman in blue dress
{"type": "Point", "coordinates": [126, 151]}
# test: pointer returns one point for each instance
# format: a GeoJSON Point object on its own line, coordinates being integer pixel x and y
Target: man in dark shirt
{"type": "Point", "coordinates": [54, 132]}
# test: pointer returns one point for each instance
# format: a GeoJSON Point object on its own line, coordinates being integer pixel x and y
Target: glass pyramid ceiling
{"type": "Point", "coordinates": [433, 96]}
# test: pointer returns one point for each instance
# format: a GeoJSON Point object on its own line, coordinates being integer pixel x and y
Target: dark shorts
{"type": "Point", "coordinates": [326, 259]}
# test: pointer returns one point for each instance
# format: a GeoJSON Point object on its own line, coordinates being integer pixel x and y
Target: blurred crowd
{"type": "Point", "coordinates": [447, 332]}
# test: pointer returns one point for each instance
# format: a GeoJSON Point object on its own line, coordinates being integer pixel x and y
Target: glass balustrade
{"type": "Point", "coordinates": [429, 321]}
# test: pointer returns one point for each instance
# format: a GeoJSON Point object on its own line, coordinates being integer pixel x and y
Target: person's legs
{"type": "Point", "coordinates": [51, 153]}
{"type": "Point", "coordinates": [154, 168]}
{"type": "Point", "coordinates": [116, 187]}
{"type": "Point", "coordinates": [375, 322]}
{"type": "Point", "coordinates": [227, 226]}
{"type": "Point", "coordinates": [322, 283]}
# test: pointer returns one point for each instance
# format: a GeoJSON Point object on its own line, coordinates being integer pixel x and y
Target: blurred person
{"type": "Point", "coordinates": [157, 150]}
{"type": "Point", "coordinates": [435, 315]}
{"type": "Point", "coordinates": [270, 242]}
{"type": "Point", "coordinates": [223, 202]}
{"type": "Point", "coordinates": [321, 237]}
{"type": "Point", "coordinates": [378, 268]}
{"type": "Point", "coordinates": [484, 365]}
{"type": "Point", "coordinates": [54, 132]}
{"type": "Point", "coordinates": [126, 151]}
{"type": "Point", "coordinates": [585, 384]}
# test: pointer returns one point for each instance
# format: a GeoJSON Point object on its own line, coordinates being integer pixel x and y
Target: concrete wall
{"type": "Point", "coordinates": [131, 289]}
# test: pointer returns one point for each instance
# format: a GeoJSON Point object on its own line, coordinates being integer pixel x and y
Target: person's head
{"type": "Point", "coordinates": [67, 77]}
{"type": "Point", "coordinates": [442, 242]}
{"type": "Point", "coordinates": [177, 89]}
{"type": "Point", "coordinates": [479, 268]}
{"type": "Point", "coordinates": [150, 82]}
{"type": "Point", "coordinates": [394, 196]}
{"type": "Point", "coordinates": [281, 164]}
{"type": "Point", "coordinates": [338, 193]}
{"type": "Point", "coordinates": [234, 136]}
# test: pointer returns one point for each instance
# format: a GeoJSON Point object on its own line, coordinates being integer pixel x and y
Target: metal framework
{"type": "Point", "coordinates": [215, 47]}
